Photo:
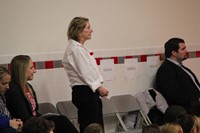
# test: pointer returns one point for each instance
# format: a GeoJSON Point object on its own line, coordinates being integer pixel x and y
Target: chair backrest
{"type": "Point", "coordinates": [68, 109]}
{"type": "Point", "coordinates": [47, 107]}
{"type": "Point", "coordinates": [108, 107]}
{"type": "Point", "coordinates": [110, 118]}
{"type": "Point", "coordinates": [125, 103]}
{"type": "Point", "coordinates": [128, 103]}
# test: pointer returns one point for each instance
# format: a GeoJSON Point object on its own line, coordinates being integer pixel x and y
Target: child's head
{"type": "Point", "coordinates": [38, 125]}
{"type": "Point", "coordinates": [151, 129]}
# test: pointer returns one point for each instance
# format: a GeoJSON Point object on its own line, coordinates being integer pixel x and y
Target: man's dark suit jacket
{"type": "Point", "coordinates": [176, 85]}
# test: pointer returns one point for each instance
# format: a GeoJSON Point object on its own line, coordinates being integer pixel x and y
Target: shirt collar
{"type": "Point", "coordinates": [75, 43]}
{"type": "Point", "coordinates": [71, 41]}
{"type": "Point", "coordinates": [175, 62]}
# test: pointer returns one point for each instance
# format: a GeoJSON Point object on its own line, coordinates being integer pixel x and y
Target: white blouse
{"type": "Point", "coordinates": [81, 67]}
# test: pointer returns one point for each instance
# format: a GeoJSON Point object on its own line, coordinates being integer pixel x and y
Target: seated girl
{"type": "Point", "coordinates": [21, 98]}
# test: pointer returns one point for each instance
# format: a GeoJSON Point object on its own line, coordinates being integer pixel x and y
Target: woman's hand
{"type": "Point", "coordinates": [16, 124]}
{"type": "Point", "coordinates": [102, 91]}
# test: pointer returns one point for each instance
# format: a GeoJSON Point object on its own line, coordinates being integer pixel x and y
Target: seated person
{"type": "Point", "coordinates": [177, 83]}
{"type": "Point", "coordinates": [21, 98]}
{"type": "Point", "coordinates": [7, 125]}
{"type": "Point", "coordinates": [38, 125]}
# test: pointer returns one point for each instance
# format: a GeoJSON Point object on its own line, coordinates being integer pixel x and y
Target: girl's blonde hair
{"type": "Point", "coordinates": [19, 65]}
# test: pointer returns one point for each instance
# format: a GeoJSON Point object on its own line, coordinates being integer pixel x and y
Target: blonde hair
{"type": "Point", "coordinates": [76, 26]}
{"type": "Point", "coordinates": [3, 72]}
{"type": "Point", "coordinates": [171, 128]}
{"type": "Point", "coordinates": [19, 65]}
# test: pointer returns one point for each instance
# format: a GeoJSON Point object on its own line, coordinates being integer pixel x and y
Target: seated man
{"type": "Point", "coordinates": [177, 84]}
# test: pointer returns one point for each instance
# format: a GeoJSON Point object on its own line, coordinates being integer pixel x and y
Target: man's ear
{"type": "Point", "coordinates": [174, 53]}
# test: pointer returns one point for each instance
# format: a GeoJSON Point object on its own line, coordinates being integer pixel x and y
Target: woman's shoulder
{"type": "Point", "coordinates": [12, 86]}
{"type": "Point", "coordinates": [13, 89]}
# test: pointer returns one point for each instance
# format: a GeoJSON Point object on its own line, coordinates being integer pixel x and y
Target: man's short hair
{"type": "Point", "coordinates": [172, 45]}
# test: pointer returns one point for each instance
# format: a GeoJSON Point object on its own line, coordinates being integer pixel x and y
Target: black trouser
{"type": "Point", "coordinates": [89, 106]}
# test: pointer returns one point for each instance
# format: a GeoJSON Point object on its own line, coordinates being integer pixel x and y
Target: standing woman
{"type": "Point", "coordinates": [21, 98]}
{"type": "Point", "coordinates": [7, 125]}
{"type": "Point", "coordinates": [83, 73]}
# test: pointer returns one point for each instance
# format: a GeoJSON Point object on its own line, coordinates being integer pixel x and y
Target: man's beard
{"type": "Point", "coordinates": [185, 57]}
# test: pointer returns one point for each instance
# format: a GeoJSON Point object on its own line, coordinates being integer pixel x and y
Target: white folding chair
{"type": "Point", "coordinates": [127, 103]}
{"type": "Point", "coordinates": [47, 107]}
{"type": "Point", "coordinates": [109, 116]}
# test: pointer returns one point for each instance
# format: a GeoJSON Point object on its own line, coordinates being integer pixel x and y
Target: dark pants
{"type": "Point", "coordinates": [89, 106]}
{"type": "Point", "coordinates": [7, 130]}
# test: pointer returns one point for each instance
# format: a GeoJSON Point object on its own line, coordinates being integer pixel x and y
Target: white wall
{"type": "Point", "coordinates": [39, 26]}
{"type": "Point", "coordinates": [121, 28]}
{"type": "Point", "coordinates": [52, 85]}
